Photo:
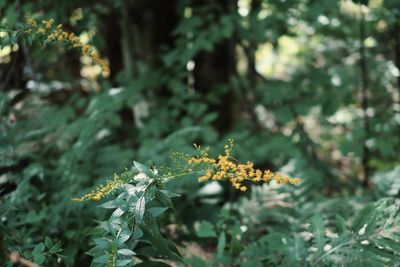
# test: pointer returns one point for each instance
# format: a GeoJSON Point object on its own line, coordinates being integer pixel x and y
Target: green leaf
{"type": "Point", "coordinates": [221, 245]}
{"type": "Point", "coordinates": [102, 243]}
{"type": "Point", "coordinates": [126, 252]}
{"type": "Point", "coordinates": [141, 168]}
{"type": "Point", "coordinates": [206, 229]}
{"type": "Point", "coordinates": [363, 217]}
{"type": "Point", "coordinates": [108, 205]}
{"type": "Point", "coordinates": [39, 248]}
{"type": "Point", "coordinates": [169, 193]}
{"type": "Point", "coordinates": [157, 211]}
{"type": "Point", "coordinates": [163, 198]}
{"type": "Point", "coordinates": [101, 259]}
{"type": "Point", "coordinates": [133, 192]}
{"type": "Point", "coordinates": [124, 235]}
{"type": "Point", "coordinates": [137, 233]}
{"type": "Point", "coordinates": [152, 234]}
{"type": "Point", "coordinates": [318, 229]}
{"type": "Point", "coordinates": [48, 242]}
{"type": "Point", "coordinates": [38, 258]}
{"type": "Point", "coordinates": [56, 248]}
{"type": "Point", "coordinates": [123, 262]}
{"type": "Point", "coordinates": [340, 224]}
{"type": "Point", "coordinates": [277, 241]}
{"type": "Point", "coordinates": [117, 213]}
{"type": "Point", "coordinates": [139, 209]}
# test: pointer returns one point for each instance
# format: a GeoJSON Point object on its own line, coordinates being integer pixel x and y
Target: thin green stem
{"type": "Point", "coordinates": [172, 177]}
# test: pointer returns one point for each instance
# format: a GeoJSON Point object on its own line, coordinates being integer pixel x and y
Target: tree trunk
{"type": "Point", "coordinates": [216, 68]}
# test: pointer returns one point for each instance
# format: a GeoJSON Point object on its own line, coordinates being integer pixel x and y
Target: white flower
{"type": "Point", "coordinates": [140, 177]}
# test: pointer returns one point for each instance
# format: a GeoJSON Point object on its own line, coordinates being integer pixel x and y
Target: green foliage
{"type": "Point", "coordinates": [306, 88]}
{"type": "Point", "coordinates": [133, 224]}
{"type": "Point", "coordinates": [369, 239]}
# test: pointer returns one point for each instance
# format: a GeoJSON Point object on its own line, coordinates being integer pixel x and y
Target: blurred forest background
{"type": "Point", "coordinates": [307, 88]}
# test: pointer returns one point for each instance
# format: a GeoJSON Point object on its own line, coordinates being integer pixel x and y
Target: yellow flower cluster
{"type": "Point", "coordinates": [47, 28]}
{"type": "Point", "coordinates": [226, 168]}
{"type": "Point", "coordinates": [102, 190]}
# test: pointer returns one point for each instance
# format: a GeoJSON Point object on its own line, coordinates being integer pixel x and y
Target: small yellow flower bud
{"type": "Point", "coordinates": [223, 168]}
{"type": "Point", "coordinates": [31, 22]}
{"type": "Point", "coordinates": [85, 49]}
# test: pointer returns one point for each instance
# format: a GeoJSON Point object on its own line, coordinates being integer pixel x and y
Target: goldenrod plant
{"type": "Point", "coordinates": [307, 89]}
{"type": "Point", "coordinates": [55, 33]}
{"type": "Point", "coordinates": [139, 197]}
{"type": "Point", "coordinates": [225, 167]}
{"type": "Point", "coordinates": [49, 32]}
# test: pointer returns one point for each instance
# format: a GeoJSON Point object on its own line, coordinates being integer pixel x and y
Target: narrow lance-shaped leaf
{"type": "Point", "coordinates": [318, 229]}
{"type": "Point", "coordinates": [141, 168]}
{"type": "Point", "coordinates": [221, 245]}
{"type": "Point", "coordinates": [139, 209]}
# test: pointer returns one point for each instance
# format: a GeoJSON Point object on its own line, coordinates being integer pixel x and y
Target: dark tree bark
{"type": "Point", "coordinates": [217, 67]}
{"type": "Point", "coordinates": [136, 31]}
{"type": "Point", "coordinates": [112, 35]}
{"type": "Point", "coordinates": [364, 102]}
